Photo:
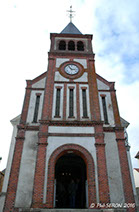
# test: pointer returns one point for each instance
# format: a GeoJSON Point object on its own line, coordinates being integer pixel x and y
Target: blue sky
{"type": "Point", "coordinates": [120, 36]}
{"type": "Point", "coordinates": [25, 27]}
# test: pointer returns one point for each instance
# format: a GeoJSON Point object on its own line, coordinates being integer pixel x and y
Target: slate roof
{"type": "Point", "coordinates": [124, 122]}
{"type": "Point", "coordinates": [70, 29]}
{"type": "Point", "coordinates": [136, 169]}
{"type": "Point", "coordinates": [137, 155]}
{"type": "Point", "coordinates": [4, 171]}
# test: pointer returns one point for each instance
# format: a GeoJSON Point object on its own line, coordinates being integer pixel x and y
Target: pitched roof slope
{"type": "Point", "coordinates": [70, 29]}
{"type": "Point", "coordinates": [136, 169]}
{"type": "Point", "coordinates": [137, 155]}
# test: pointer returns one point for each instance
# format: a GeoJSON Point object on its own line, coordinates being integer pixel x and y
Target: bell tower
{"type": "Point", "coordinates": [70, 108]}
{"type": "Point", "coordinates": [70, 134]}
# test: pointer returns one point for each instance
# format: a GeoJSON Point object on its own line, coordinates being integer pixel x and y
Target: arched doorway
{"type": "Point", "coordinates": [90, 172]}
{"type": "Point", "coordinates": [70, 168]}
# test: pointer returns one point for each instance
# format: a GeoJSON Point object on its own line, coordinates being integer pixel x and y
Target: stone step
{"type": "Point", "coordinates": [83, 210]}
{"type": "Point", "coordinates": [72, 210]}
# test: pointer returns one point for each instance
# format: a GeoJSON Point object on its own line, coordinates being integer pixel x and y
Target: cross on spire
{"type": "Point", "coordinates": [71, 13]}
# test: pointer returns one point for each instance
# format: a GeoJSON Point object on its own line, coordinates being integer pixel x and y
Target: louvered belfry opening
{"type": "Point", "coordinates": [62, 45]}
{"type": "Point", "coordinates": [71, 45]}
{"type": "Point", "coordinates": [80, 46]}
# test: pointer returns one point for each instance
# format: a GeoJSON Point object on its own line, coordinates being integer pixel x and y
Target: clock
{"type": "Point", "coordinates": [71, 69]}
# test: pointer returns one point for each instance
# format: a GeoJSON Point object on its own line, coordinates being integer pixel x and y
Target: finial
{"type": "Point", "coordinates": [70, 13]}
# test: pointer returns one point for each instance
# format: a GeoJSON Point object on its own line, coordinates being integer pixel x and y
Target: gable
{"type": "Point", "coordinates": [39, 82]}
{"type": "Point", "coordinates": [101, 85]}
{"type": "Point", "coordinates": [16, 120]}
{"type": "Point", "coordinates": [104, 84]}
{"type": "Point", "coordinates": [124, 123]}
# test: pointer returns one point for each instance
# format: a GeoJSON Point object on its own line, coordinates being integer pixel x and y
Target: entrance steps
{"type": "Point", "coordinates": [82, 210]}
{"type": "Point", "coordinates": [72, 210]}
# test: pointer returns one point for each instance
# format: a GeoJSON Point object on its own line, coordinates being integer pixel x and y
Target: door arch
{"type": "Point", "coordinates": [90, 171]}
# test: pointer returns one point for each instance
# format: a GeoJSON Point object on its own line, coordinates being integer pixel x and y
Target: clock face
{"type": "Point", "coordinates": [71, 69]}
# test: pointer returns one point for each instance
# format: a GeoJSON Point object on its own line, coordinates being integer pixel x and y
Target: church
{"type": "Point", "coordinates": [69, 132]}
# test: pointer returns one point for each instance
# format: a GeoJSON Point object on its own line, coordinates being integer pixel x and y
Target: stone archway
{"type": "Point", "coordinates": [90, 171]}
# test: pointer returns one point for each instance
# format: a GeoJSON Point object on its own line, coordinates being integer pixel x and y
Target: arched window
{"type": "Point", "coordinates": [71, 45]}
{"type": "Point", "coordinates": [80, 46]}
{"type": "Point", "coordinates": [62, 45]}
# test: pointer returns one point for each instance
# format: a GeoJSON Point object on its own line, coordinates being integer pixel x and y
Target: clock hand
{"type": "Point", "coordinates": [70, 68]}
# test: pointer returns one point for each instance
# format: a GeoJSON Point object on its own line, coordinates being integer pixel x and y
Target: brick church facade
{"type": "Point", "coordinates": [69, 129]}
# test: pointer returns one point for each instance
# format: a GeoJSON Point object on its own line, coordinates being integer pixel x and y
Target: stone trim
{"type": "Point", "coordinates": [70, 82]}
{"type": "Point", "coordinates": [39, 89]}
{"type": "Point", "coordinates": [71, 87]}
{"type": "Point", "coordinates": [70, 123]}
{"type": "Point", "coordinates": [58, 87]}
{"type": "Point", "coordinates": [78, 101]}
{"type": "Point", "coordinates": [72, 134]}
{"type": "Point", "coordinates": [38, 94]}
{"type": "Point", "coordinates": [64, 101]}
{"type": "Point", "coordinates": [109, 91]}
{"type": "Point", "coordinates": [103, 95]}
{"type": "Point", "coordinates": [84, 88]}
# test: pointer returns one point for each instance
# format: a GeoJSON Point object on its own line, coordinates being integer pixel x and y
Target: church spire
{"type": "Point", "coordinates": [70, 28]}
{"type": "Point", "coordinates": [71, 13]}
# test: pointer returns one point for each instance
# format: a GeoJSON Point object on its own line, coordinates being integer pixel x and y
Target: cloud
{"type": "Point", "coordinates": [118, 31]}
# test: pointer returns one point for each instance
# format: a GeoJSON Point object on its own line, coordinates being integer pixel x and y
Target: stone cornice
{"type": "Point", "coordinates": [70, 123]}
